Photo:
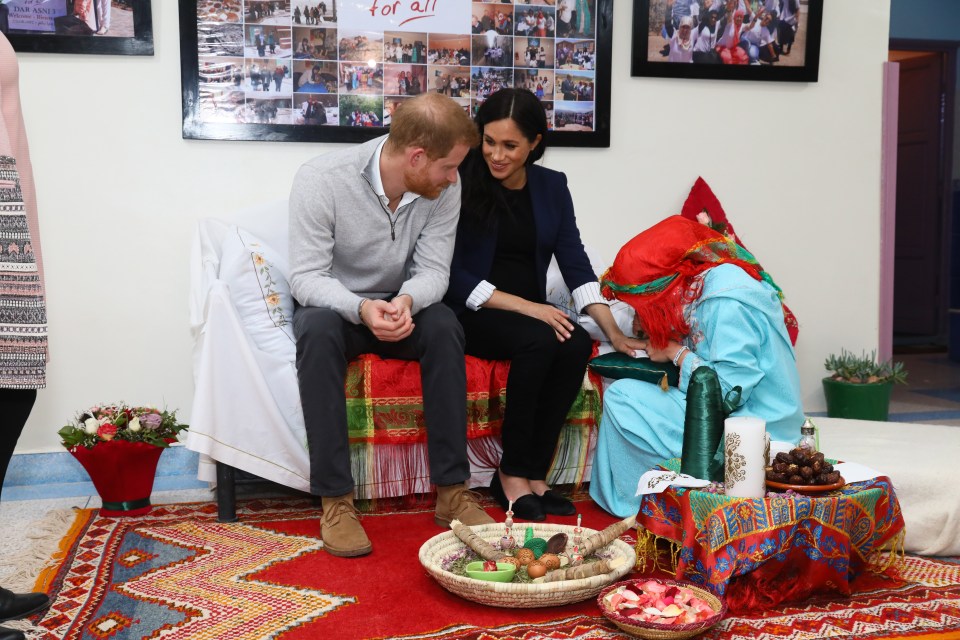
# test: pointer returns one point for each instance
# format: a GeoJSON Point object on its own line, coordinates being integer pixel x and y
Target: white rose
{"type": "Point", "coordinates": [134, 425]}
{"type": "Point", "coordinates": [91, 425]}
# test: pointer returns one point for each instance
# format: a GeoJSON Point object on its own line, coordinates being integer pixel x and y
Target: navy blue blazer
{"type": "Point", "coordinates": [557, 234]}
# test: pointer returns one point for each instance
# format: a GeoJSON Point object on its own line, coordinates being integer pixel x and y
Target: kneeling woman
{"type": "Point", "coordinates": [516, 215]}
{"type": "Point", "coordinates": [703, 301]}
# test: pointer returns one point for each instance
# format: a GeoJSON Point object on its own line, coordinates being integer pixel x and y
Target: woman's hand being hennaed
{"type": "Point", "coordinates": [553, 316]}
{"type": "Point", "coordinates": [626, 344]}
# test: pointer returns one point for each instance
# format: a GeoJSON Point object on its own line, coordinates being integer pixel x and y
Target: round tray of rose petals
{"type": "Point", "coordinates": [657, 609]}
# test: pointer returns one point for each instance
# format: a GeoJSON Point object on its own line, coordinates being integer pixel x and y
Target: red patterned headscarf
{"type": "Point", "coordinates": [656, 273]}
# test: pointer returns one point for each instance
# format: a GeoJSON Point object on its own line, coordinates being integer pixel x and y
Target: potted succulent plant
{"type": "Point", "coordinates": [859, 386]}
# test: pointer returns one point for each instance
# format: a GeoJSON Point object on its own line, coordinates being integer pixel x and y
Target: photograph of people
{"type": "Point", "coordinates": [576, 54]}
{"type": "Point", "coordinates": [497, 18]}
{"type": "Point", "coordinates": [360, 46]}
{"type": "Point", "coordinates": [108, 18]}
{"type": "Point", "coordinates": [492, 50]}
{"type": "Point", "coordinates": [313, 13]}
{"type": "Point", "coordinates": [313, 109]}
{"type": "Point", "coordinates": [315, 77]}
{"type": "Point", "coordinates": [573, 116]}
{"type": "Point", "coordinates": [275, 12]}
{"type": "Point", "coordinates": [315, 44]}
{"type": "Point", "coordinates": [220, 40]}
{"type": "Point", "coordinates": [361, 111]}
{"type": "Point", "coordinates": [221, 71]}
{"type": "Point", "coordinates": [448, 49]}
{"type": "Point", "coordinates": [404, 79]}
{"type": "Point", "coordinates": [449, 81]}
{"type": "Point", "coordinates": [533, 52]}
{"type": "Point", "coordinates": [515, 217]}
{"type": "Point", "coordinates": [268, 111]}
{"type": "Point", "coordinates": [720, 310]}
{"type": "Point", "coordinates": [403, 47]}
{"type": "Point", "coordinates": [217, 11]}
{"type": "Point", "coordinates": [575, 86]}
{"type": "Point", "coordinates": [485, 81]}
{"type": "Point", "coordinates": [539, 82]}
{"type": "Point", "coordinates": [739, 32]}
{"type": "Point", "coordinates": [536, 22]}
{"type": "Point", "coordinates": [263, 41]}
{"type": "Point", "coordinates": [361, 78]}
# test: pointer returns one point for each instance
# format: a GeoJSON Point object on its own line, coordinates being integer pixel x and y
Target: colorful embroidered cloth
{"type": "Point", "coordinates": [385, 406]}
{"type": "Point", "coordinates": [779, 548]}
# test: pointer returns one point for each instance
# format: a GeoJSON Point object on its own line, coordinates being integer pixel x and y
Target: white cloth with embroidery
{"type": "Point", "coordinates": [657, 481]}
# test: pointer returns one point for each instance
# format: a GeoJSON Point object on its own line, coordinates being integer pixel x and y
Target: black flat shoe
{"type": "Point", "coordinates": [11, 634]}
{"type": "Point", "coordinates": [20, 605]}
{"type": "Point", "coordinates": [526, 507]}
{"type": "Point", "coordinates": [555, 504]}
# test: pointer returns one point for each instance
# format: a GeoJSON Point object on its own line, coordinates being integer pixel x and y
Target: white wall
{"type": "Point", "coordinates": [796, 167]}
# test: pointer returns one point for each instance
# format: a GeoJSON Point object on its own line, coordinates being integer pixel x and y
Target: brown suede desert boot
{"type": "Point", "coordinates": [342, 533]}
{"type": "Point", "coordinates": [456, 502]}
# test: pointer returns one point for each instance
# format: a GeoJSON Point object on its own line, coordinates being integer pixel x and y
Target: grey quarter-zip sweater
{"type": "Point", "coordinates": [345, 244]}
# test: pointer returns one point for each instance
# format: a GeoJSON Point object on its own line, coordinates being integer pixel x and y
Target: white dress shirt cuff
{"type": "Point", "coordinates": [481, 294]}
{"type": "Point", "coordinates": [586, 294]}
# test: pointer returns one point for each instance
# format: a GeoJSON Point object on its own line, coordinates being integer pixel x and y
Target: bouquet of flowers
{"type": "Point", "coordinates": [103, 423]}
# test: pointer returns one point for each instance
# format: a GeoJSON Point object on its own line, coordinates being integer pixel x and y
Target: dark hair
{"type": "Point", "coordinates": [481, 193]}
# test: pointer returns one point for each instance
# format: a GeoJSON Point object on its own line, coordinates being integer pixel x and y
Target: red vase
{"type": "Point", "coordinates": [122, 472]}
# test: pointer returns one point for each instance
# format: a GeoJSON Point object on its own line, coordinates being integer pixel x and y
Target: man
{"type": "Point", "coordinates": [372, 230]}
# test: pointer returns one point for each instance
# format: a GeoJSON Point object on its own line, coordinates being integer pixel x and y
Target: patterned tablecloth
{"type": "Point", "coordinates": [763, 551]}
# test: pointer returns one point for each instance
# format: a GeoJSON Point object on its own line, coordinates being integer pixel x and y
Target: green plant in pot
{"type": "Point", "coordinates": [860, 386]}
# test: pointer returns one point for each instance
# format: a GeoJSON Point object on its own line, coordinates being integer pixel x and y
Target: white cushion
{"type": "Point", "coordinates": [256, 275]}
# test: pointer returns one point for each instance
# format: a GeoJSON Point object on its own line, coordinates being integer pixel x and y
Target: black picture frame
{"type": "Point", "coordinates": [194, 126]}
{"type": "Point", "coordinates": [648, 61]}
{"type": "Point", "coordinates": [72, 37]}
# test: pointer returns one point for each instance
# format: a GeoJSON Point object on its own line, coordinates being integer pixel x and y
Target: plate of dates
{"type": "Point", "coordinates": [803, 471]}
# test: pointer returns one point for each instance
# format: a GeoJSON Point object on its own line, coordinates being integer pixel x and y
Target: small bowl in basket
{"type": "Point", "coordinates": [504, 572]}
{"type": "Point", "coordinates": [656, 631]}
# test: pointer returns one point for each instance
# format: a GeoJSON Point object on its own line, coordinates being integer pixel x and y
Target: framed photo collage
{"type": "Point", "coordinates": [288, 70]}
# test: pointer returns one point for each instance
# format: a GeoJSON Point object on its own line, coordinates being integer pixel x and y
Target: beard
{"type": "Point", "coordinates": [418, 182]}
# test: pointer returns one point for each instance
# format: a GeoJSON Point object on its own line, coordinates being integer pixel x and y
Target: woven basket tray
{"type": "Point", "coordinates": [520, 595]}
{"type": "Point", "coordinates": [654, 631]}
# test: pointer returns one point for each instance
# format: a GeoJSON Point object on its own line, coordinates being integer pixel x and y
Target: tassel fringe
{"type": "Point", "coordinates": [49, 538]}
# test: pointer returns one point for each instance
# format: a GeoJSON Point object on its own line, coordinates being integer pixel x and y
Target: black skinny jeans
{"type": "Point", "coordinates": [545, 377]}
{"type": "Point", "coordinates": [326, 343]}
{"type": "Point", "coordinates": [15, 406]}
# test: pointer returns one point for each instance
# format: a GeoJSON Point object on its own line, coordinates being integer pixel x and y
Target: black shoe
{"type": "Point", "coordinates": [526, 507]}
{"type": "Point", "coordinates": [20, 605]}
{"type": "Point", "coordinates": [555, 504]}
{"type": "Point", "coordinates": [11, 634]}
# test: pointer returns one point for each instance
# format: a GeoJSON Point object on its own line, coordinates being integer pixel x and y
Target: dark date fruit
{"type": "Point", "coordinates": [800, 466]}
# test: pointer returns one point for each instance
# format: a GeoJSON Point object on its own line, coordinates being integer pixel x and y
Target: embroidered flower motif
{"type": "Point", "coordinates": [734, 469]}
{"type": "Point", "coordinates": [268, 286]}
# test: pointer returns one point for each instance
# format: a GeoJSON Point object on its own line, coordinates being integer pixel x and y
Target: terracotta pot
{"type": "Point", "coordinates": [122, 473]}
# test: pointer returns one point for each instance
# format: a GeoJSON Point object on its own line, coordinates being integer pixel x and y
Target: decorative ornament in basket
{"type": "Point", "coordinates": [614, 559]}
{"type": "Point", "coordinates": [693, 598]}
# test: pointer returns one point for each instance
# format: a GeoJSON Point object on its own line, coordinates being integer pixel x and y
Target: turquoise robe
{"type": "Point", "coordinates": [736, 328]}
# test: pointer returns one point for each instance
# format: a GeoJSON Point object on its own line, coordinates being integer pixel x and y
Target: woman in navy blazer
{"type": "Point", "coordinates": [514, 217]}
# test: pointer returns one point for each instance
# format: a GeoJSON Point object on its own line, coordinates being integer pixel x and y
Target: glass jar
{"type": "Point", "coordinates": [808, 436]}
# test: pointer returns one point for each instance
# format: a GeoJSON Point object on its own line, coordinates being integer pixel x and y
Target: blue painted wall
{"type": "Point", "coordinates": [925, 19]}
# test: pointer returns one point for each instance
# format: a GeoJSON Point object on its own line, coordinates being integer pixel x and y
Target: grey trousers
{"type": "Point", "coordinates": [326, 343]}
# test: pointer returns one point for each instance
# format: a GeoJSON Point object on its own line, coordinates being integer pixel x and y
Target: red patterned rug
{"type": "Point", "coordinates": [178, 573]}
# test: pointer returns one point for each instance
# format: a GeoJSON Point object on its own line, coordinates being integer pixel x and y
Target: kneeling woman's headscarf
{"type": "Point", "coordinates": [657, 272]}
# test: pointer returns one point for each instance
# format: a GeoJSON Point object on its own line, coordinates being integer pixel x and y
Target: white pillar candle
{"type": "Point", "coordinates": [743, 449]}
